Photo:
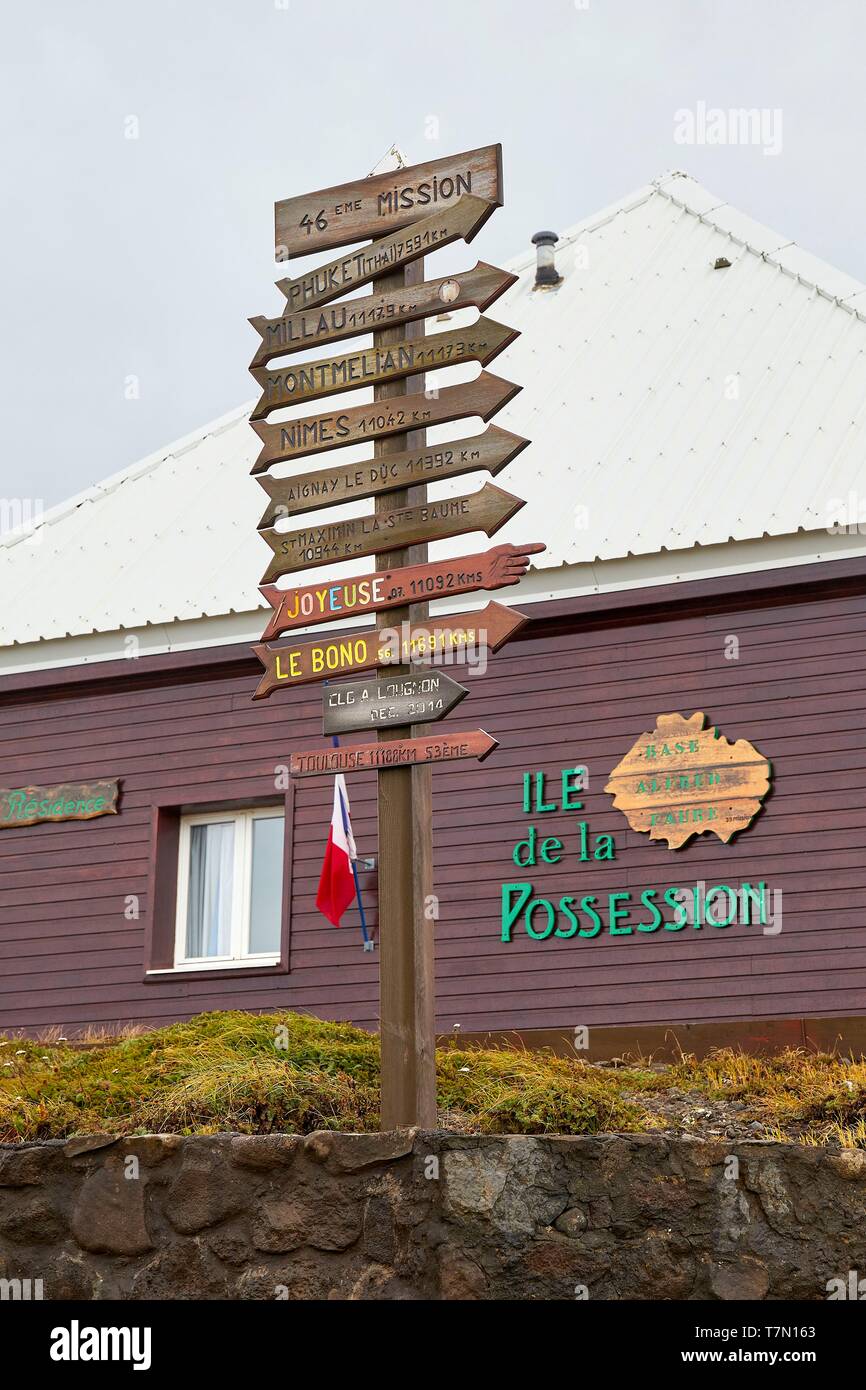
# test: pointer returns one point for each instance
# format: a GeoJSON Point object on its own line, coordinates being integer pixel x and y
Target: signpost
{"type": "Point", "coordinates": [313, 327]}
{"type": "Point", "coordinates": [408, 213]}
{"type": "Point", "coordinates": [486, 510]}
{"type": "Point", "coordinates": [451, 639]}
{"type": "Point", "coordinates": [307, 381]}
{"type": "Point", "coordinates": [344, 598]}
{"type": "Point", "coordinates": [328, 282]}
{"type": "Point", "coordinates": [359, 424]}
{"type": "Point", "coordinates": [398, 753]}
{"type": "Point", "coordinates": [373, 704]}
{"type": "Point", "coordinates": [374, 206]}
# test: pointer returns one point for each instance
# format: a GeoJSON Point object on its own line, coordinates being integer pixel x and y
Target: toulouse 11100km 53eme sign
{"type": "Point", "coordinates": [407, 752]}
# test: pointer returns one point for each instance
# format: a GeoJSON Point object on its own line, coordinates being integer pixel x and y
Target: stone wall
{"type": "Point", "coordinates": [427, 1215]}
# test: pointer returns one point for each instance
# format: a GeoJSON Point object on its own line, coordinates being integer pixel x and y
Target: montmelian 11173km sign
{"type": "Point", "coordinates": [328, 376]}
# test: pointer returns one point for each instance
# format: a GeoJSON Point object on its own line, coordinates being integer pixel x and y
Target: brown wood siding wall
{"type": "Point", "coordinates": [573, 691]}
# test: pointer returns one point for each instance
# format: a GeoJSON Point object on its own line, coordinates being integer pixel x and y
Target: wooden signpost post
{"type": "Point", "coordinates": [376, 704]}
{"type": "Point", "coordinates": [408, 213]}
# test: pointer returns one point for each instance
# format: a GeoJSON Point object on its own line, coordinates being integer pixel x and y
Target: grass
{"type": "Point", "coordinates": [291, 1073]}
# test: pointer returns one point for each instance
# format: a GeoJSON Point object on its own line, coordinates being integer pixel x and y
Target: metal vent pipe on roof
{"type": "Point", "coordinates": [547, 277]}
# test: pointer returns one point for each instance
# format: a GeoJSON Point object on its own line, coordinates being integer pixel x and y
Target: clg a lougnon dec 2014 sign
{"type": "Point", "coordinates": [408, 212]}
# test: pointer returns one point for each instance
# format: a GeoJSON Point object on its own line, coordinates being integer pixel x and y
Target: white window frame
{"type": "Point", "coordinates": [242, 880]}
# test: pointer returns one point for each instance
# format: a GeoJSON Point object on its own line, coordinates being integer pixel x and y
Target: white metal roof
{"type": "Point", "coordinates": [670, 406]}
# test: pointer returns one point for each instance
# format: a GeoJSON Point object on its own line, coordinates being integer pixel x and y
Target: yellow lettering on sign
{"type": "Point", "coordinates": [294, 666]}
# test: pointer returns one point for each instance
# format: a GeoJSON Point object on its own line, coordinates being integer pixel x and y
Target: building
{"type": "Point", "coordinates": [694, 391]}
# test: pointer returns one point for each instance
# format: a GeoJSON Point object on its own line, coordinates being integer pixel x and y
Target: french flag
{"type": "Point", "coordinates": [337, 883]}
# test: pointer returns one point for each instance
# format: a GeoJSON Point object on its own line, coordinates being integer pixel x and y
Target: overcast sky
{"type": "Point", "coordinates": [130, 265]}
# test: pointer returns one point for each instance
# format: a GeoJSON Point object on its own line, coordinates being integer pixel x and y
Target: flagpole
{"type": "Point", "coordinates": [368, 945]}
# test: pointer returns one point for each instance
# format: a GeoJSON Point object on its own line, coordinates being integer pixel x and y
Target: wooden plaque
{"type": "Point", "coordinates": [309, 605]}
{"type": "Point", "coordinates": [438, 640]}
{"type": "Point", "coordinates": [681, 780]}
{"type": "Point", "coordinates": [310, 328]}
{"type": "Point", "coordinates": [374, 206]}
{"type": "Point", "coordinates": [406, 752]}
{"type": "Point", "coordinates": [332, 541]}
{"type": "Point", "coordinates": [67, 801]}
{"type": "Point", "coordinates": [328, 376]}
{"type": "Point", "coordinates": [313, 434]}
{"type": "Point", "coordinates": [328, 282]}
{"type": "Point", "coordinates": [349, 482]}
{"type": "Point", "coordinates": [351, 706]}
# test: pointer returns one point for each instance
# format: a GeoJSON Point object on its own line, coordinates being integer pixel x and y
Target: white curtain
{"type": "Point", "coordinates": [211, 883]}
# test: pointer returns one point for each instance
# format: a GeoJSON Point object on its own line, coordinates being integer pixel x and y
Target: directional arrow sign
{"type": "Point", "coordinates": [308, 492]}
{"type": "Point", "coordinates": [375, 704]}
{"type": "Point", "coordinates": [373, 206]}
{"type": "Point", "coordinates": [313, 327]}
{"type": "Point", "coordinates": [313, 434]}
{"type": "Point", "coordinates": [486, 510]}
{"type": "Point", "coordinates": [441, 640]}
{"type": "Point", "coordinates": [329, 281]}
{"type": "Point", "coordinates": [406, 752]}
{"type": "Point", "coordinates": [343, 598]}
{"type": "Point", "coordinates": [307, 381]}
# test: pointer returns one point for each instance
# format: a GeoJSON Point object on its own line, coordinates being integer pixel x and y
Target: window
{"type": "Point", "coordinates": [230, 889]}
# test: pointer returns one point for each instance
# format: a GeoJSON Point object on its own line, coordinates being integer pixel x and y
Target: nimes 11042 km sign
{"type": "Point", "coordinates": [408, 213]}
